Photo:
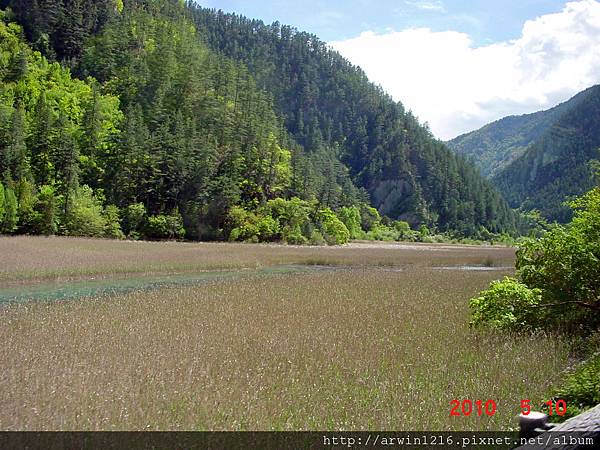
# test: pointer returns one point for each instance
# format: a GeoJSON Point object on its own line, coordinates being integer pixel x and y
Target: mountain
{"type": "Point", "coordinates": [556, 165]}
{"type": "Point", "coordinates": [496, 145]}
{"type": "Point", "coordinates": [188, 119]}
{"type": "Point", "coordinates": [328, 103]}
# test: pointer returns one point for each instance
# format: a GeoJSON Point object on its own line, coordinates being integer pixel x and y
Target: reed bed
{"type": "Point", "coordinates": [28, 258]}
{"type": "Point", "coordinates": [360, 347]}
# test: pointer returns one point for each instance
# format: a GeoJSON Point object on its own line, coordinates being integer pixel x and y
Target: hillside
{"type": "Point", "coordinates": [496, 145]}
{"type": "Point", "coordinates": [194, 122]}
{"type": "Point", "coordinates": [556, 166]}
{"type": "Point", "coordinates": [328, 103]}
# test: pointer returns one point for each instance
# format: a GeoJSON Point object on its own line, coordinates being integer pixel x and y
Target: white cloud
{"type": "Point", "coordinates": [457, 87]}
{"type": "Point", "coordinates": [427, 5]}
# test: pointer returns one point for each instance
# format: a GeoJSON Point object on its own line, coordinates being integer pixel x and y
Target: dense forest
{"type": "Point", "coordinates": [160, 119]}
{"type": "Point", "coordinates": [557, 166]}
{"type": "Point", "coordinates": [497, 144]}
{"type": "Point", "coordinates": [540, 160]}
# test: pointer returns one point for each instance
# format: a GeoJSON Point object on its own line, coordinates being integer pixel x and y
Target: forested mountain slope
{"type": "Point", "coordinates": [329, 104]}
{"type": "Point", "coordinates": [496, 145]}
{"type": "Point", "coordinates": [193, 120]}
{"type": "Point", "coordinates": [556, 166]}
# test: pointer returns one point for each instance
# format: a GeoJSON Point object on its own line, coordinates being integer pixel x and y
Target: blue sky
{"type": "Point", "coordinates": [456, 64]}
{"type": "Point", "coordinates": [484, 20]}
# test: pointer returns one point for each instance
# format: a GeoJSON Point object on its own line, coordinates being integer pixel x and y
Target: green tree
{"type": "Point", "coordinates": [350, 216]}
{"type": "Point", "coordinates": [46, 218]}
{"type": "Point", "coordinates": [2, 204]}
{"type": "Point", "coordinates": [85, 216]}
{"type": "Point", "coordinates": [11, 212]}
{"type": "Point", "coordinates": [560, 270]}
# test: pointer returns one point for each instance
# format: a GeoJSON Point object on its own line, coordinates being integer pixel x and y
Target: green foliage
{"type": "Point", "coordinates": [165, 226]}
{"type": "Point", "coordinates": [27, 199]}
{"type": "Point", "coordinates": [293, 217]}
{"type": "Point", "coordinates": [85, 215]}
{"type": "Point", "coordinates": [507, 304]}
{"type": "Point", "coordinates": [556, 165]}
{"type": "Point", "coordinates": [563, 266]}
{"type": "Point", "coordinates": [11, 212]}
{"type": "Point", "coordinates": [2, 202]}
{"type": "Point", "coordinates": [135, 220]}
{"type": "Point", "coordinates": [565, 263]}
{"type": "Point", "coordinates": [581, 389]}
{"type": "Point", "coordinates": [350, 216]}
{"type": "Point", "coordinates": [333, 229]}
{"type": "Point", "coordinates": [112, 228]}
{"type": "Point", "coordinates": [46, 212]}
{"type": "Point", "coordinates": [369, 217]}
{"type": "Point", "coordinates": [243, 225]}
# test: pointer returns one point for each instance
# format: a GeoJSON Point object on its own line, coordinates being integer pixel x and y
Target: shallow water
{"type": "Point", "coordinates": [97, 286]}
{"type": "Point", "coordinates": [474, 268]}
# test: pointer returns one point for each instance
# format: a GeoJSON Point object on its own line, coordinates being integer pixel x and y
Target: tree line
{"type": "Point", "coordinates": [125, 119]}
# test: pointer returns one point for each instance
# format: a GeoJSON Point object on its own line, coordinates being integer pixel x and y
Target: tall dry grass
{"type": "Point", "coordinates": [26, 258]}
{"type": "Point", "coordinates": [351, 349]}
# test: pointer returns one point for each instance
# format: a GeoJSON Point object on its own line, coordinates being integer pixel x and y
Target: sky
{"type": "Point", "coordinates": [456, 64]}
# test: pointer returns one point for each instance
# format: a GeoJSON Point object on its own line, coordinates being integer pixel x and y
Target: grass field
{"type": "Point", "coordinates": [366, 337]}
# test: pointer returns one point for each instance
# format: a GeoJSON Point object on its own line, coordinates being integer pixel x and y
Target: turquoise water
{"type": "Point", "coordinates": [66, 290]}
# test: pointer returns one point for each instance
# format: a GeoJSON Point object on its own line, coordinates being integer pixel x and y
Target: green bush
{"type": "Point", "coordinates": [292, 216]}
{"type": "Point", "coordinates": [383, 233]}
{"type": "Point", "coordinates": [11, 212]}
{"type": "Point", "coordinates": [134, 221]}
{"type": "Point", "coordinates": [165, 226]}
{"type": "Point", "coordinates": [85, 216]}
{"type": "Point", "coordinates": [242, 225]}
{"type": "Point", "coordinates": [581, 389]}
{"type": "Point", "coordinates": [316, 238]}
{"type": "Point", "coordinates": [404, 230]}
{"type": "Point", "coordinates": [507, 304]}
{"type": "Point", "coordinates": [27, 200]}
{"type": "Point", "coordinates": [350, 216]}
{"type": "Point", "coordinates": [2, 201]}
{"type": "Point", "coordinates": [45, 219]}
{"type": "Point", "coordinates": [268, 228]}
{"type": "Point", "coordinates": [113, 223]}
{"type": "Point", "coordinates": [563, 266]}
{"type": "Point", "coordinates": [333, 229]}
{"type": "Point", "coordinates": [369, 217]}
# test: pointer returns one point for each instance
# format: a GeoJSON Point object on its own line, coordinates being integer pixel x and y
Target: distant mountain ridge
{"type": "Point", "coordinates": [537, 161]}
{"type": "Point", "coordinates": [494, 146]}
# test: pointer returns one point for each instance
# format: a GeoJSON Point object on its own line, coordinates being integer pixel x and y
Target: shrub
{"type": "Point", "coordinates": [85, 216]}
{"type": "Point", "coordinates": [581, 389]}
{"type": "Point", "coordinates": [45, 220]}
{"type": "Point", "coordinates": [113, 223]}
{"type": "Point", "coordinates": [369, 217]}
{"type": "Point", "coordinates": [165, 226]}
{"type": "Point", "coordinates": [383, 233]}
{"type": "Point", "coordinates": [563, 266]}
{"type": "Point", "coordinates": [2, 201]}
{"type": "Point", "coordinates": [27, 199]}
{"type": "Point", "coordinates": [507, 304]}
{"type": "Point", "coordinates": [316, 238]}
{"type": "Point", "coordinates": [243, 225]}
{"type": "Point", "coordinates": [292, 216]}
{"type": "Point", "coordinates": [333, 229]}
{"type": "Point", "coordinates": [135, 220]}
{"type": "Point", "coordinates": [350, 216]}
{"type": "Point", "coordinates": [11, 212]}
{"type": "Point", "coordinates": [403, 229]}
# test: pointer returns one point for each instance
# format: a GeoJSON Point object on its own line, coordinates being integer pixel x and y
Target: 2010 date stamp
{"type": "Point", "coordinates": [466, 408]}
